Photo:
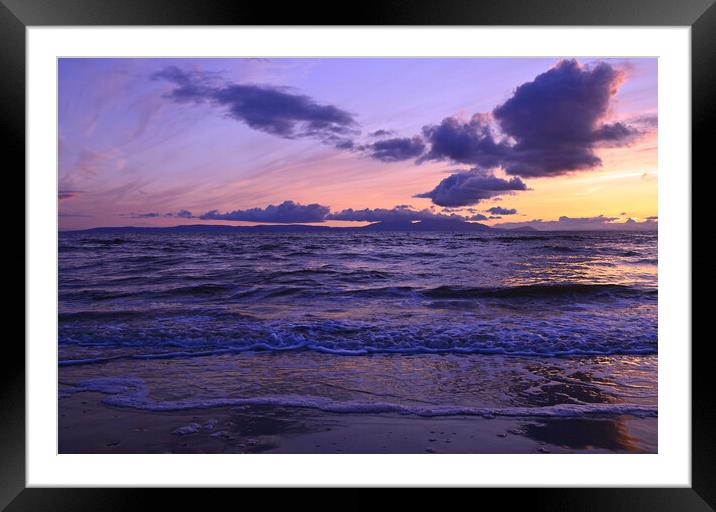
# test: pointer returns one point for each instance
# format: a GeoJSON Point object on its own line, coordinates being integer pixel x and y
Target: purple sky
{"type": "Point", "coordinates": [146, 141]}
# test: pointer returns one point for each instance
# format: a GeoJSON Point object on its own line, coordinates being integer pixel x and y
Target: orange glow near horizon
{"type": "Point", "coordinates": [125, 150]}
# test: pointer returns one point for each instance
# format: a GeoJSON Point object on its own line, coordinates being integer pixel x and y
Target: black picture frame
{"type": "Point", "coordinates": [700, 15]}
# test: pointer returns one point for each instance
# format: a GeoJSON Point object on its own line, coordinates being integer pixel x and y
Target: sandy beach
{"type": "Point", "coordinates": [87, 425]}
{"type": "Point", "coordinates": [317, 256]}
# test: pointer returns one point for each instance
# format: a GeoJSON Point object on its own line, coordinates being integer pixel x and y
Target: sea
{"type": "Point", "coordinates": [493, 323]}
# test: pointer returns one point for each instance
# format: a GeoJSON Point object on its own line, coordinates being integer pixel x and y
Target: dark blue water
{"type": "Point", "coordinates": [519, 302]}
{"type": "Point", "coordinates": [561, 293]}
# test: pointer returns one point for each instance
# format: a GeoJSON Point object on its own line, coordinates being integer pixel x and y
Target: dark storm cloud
{"type": "Point", "coordinates": [287, 212]}
{"type": "Point", "coordinates": [396, 149]}
{"type": "Point", "coordinates": [395, 214]}
{"type": "Point", "coordinates": [469, 142]}
{"type": "Point", "coordinates": [556, 120]}
{"type": "Point", "coordinates": [470, 187]}
{"type": "Point", "coordinates": [498, 210]}
{"type": "Point", "coordinates": [478, 216]}
{"type": "Point", "coordinates": [274, 110]}
{"type": "Point", "coordinates": [550, 126]}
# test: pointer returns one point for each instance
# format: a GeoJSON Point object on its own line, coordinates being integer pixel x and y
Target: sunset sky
{"type": "Point", "coordinates": [161, 142]}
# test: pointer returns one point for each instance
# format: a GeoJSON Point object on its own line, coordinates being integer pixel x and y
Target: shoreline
{"type": "Point", "coordinates": [86, 425]}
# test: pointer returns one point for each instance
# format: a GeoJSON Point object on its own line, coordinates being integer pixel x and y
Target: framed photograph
{"type": "Point", "coordinates": [437, 247]}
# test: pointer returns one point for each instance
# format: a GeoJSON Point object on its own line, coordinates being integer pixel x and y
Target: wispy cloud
{"type": "Point", "coordinates": [276, 110]}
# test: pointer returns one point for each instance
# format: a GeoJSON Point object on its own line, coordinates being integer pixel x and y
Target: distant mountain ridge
{"type": "Point", "coordinates": [446, 225]}
{"type": "Point", "coordinates": [424, 225]}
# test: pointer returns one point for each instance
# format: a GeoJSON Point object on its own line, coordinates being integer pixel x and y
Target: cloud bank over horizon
{"type": "Point", "coordinates": [287, 212]}
{"type": "Point", "coordinates": [599, 222]}
{"type": "Point", "coordinates": [400, 213]}
{"type": "Point", "coordinates": [290, 212]}
{"type": "Point", "coordinates": [218, 135]}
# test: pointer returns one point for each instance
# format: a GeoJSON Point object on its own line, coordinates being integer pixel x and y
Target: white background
{"type": "Point", "coordinates": [670, 467]}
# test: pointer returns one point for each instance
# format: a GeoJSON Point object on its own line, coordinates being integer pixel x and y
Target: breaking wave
{"type": "Point", "coordinates": [132, 393]}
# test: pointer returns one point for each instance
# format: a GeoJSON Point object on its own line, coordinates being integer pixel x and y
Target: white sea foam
{"type": "Point", "coordinates": [132, 393]}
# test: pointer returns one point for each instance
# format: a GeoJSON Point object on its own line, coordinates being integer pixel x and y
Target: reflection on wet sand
{"type": "Point", "coordinates": [585, 434]}
{"type": "Point", "coordinates": [304, 402]}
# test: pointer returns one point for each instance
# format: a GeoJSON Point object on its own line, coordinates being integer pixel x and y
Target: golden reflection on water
{"type": "Point", "coordinates": [472, 380]}
{"type": "Point", "coordinates": [587, 434]}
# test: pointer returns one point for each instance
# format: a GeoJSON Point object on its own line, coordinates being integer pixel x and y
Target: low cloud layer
{"type": "Point", "coordinates": [275, 110]}
{"type": "Point", "coordinates": [466, 188]}
{"type": "Point", "coordinates": [287, 212]}
{"type": "Point", "coordinates": [181, 214]}
{"type": "Point", "coordinates": [147, 215]}
{"type": "Point", "coordinates": [290, 212]}
{"type": "Point", "coordinates": [599, 222]}
{"type": "Point", "coordinates": [401, 213]}
{"type": "Point", "coordinates": [498, 210]}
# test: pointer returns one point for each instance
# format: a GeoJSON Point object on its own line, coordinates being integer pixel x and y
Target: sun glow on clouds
{"type": "Point", "coordinates": [351, 143]}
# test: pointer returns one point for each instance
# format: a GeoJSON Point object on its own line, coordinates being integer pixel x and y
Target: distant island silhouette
{"type": "Point", "coordinates": [423, 225]}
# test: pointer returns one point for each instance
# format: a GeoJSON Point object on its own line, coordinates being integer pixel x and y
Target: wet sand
{"type": "Point", "coordinates": [86, 425]}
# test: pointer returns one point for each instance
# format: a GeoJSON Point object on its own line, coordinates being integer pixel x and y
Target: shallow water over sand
{"type": "Point", "coordinates": [431, 325]}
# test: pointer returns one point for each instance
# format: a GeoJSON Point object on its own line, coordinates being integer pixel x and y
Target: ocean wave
{"type": "Point", "coordinates": [644, 261]}
{"type": "Point", "coordinates": [562, 249]}
{"type": "Point", "coordinates": [104, 241]}
{"type": "Point", "coordinates": [100, 315]}
{"type": "Point", "coordinates": [363, 351]}
{"type": "Point", "coordinates": [131, 392]}
{"type": "Point", "coordinates": [300, 284]}
{"type": "Point", "coordinates": [518, 238]}
{"type": "Point", "coordinates": [536, 291]}
{"type": "Point", "coordinates": [185, 295]}
{"type": "Point", "coordinates": [202, 289]}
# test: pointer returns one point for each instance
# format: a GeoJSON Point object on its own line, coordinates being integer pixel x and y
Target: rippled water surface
{"type": "Point", "coordinates": [507, 320]}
